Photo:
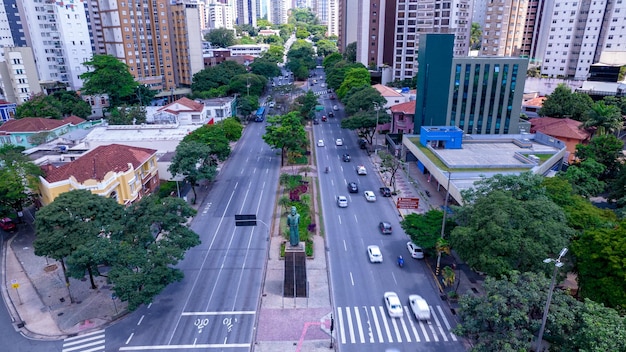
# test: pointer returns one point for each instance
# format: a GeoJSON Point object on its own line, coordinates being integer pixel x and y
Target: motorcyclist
{"type": "Point", "coordinates": [327, 169]}
{"type": "Point", "coordinates": [400, 261]}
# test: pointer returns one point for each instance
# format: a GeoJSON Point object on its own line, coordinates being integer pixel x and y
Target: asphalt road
{"type": "Point", "coordinates": [215, 306]}
{"type": "Point", "coordinates": [361, 319]}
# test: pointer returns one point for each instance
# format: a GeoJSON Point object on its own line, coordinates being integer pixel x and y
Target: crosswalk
{"type": "Point", "coordinates": [90, 342]}
{"type": "Point", "coordinates": [359, 325]}
{"type": "Point", "coordinates": [320, 93]}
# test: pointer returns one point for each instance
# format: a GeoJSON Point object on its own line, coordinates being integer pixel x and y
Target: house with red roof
{"type": "Point", "coordinates": [531, 107]}
{"type": "Point", "coordinates": [29, 132]}
{"type": "Point", "coordinates": [401, 118]}
{"type": "Point", "coordinates": [117, 171]}
{"type": "Point", "coordinates": [566, 130]}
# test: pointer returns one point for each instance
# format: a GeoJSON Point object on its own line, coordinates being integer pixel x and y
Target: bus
{"type": "Point", "coordinates": [260, 114]}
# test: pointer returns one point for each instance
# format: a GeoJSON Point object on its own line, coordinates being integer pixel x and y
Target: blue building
{"type": "Point", "coordinates": [7, 110]}
{"type": "Point", "coordinates": [479, 95]}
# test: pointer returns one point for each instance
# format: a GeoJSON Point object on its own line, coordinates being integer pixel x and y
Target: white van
{"type": "Point", "coordinates": [420, 308]}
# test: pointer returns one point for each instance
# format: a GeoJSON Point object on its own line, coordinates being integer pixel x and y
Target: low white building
{"type": "Point", "coordinates": [255, 50]}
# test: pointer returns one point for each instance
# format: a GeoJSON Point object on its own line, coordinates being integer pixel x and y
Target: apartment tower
{"type": "Point", "coordinates": [186, 40]}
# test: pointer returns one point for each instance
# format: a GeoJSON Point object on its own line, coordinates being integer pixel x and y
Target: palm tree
{"type": "Point", "coordinates": [605, 118]}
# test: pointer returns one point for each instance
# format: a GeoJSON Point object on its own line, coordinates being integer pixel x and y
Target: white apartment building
{"type": "Point", "coordinates": [278, 12]}
{"type": "Point", "coordinates": [246, 12]}
{"type": "Point", "coordinates": [59, 36]}
{"type": "Point", "coordinates": [578, 32]}
{"type": "Point", "coordinates": [18, 74]}
{"type": "Point", "coordinates": [503, 31]}
{"type": "Point", "coordinates": [220, 15]}
{"type": "Point", "coordinates": [333, 17]}
{"type": "Point", "coordinates": [427, 16]}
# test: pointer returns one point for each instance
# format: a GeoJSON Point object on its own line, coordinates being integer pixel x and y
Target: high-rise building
{"type": "Point", "coordinates": [278, 12]}
{"type": "Point", "coordinates": [576, 33]}
{"type": "Point", "coordinates": [18, 74]}
{"type": "Point", "coordinates": [504, 28]}
{"type": "Point", "coordinates": [220, 15]}
{"type": "Point", "coordinates": [333, 17]}
{"type": "Point", "coordinates": [479, 95]}
{"type": "Point", "coordinates": [187, 41]}
{"type": "Point", "coordinates": [246, 12]}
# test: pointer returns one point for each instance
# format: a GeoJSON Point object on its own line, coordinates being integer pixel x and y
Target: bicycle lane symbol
{"type": "Point", "coordinates": [201, 323]}
{"type": "Point", "coordinates": [229, 322]}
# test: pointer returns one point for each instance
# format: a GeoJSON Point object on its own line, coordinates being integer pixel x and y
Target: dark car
{"type": "Point", "coordinates": [362, 143]}
{"type": "Point", "coordinates": [352, 187]}
{"type": "Point", "coordinates": [7, 224]}
{"type": "Point", "coordinates": [385, 227]}
{"type": "Point", "coordinates": [324, 118]}
{"type": "Point", "coordinates": [316, 121]}
{"type": "Point", "coordinates": [385, 191]}
{"type": "Point", "coordinates": [346, 157]}
{"type": "Point", "coordinates": [331, 114]}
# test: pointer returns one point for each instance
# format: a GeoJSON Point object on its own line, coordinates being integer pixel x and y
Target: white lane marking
{"type": "Point", "coordinates": [424, 331]}
{"type": "Point", "coordinates": [406, 331]}
{"type": "Point", "coordinates": [339, 218]}
{"type": "Point", "coordinates": [384, 318]}
{"type": "Point", "coordinates": [443, 333]}
{"type": "Point", "coordinates": [417, 337]}
{"type": "Point", "coordinates": [358, 324]}
{"type": "Point", "coordinates": [130, 338]}
{"type": "Point", "coordinates": [445, 321]}
{"type": "Point", "coordinates": [82, 346]}
{"type": "Point", "coordinates": [351, 279]}
{"type": "Point", "coordinates": [342, 332]}
{"type": "Point", "coordinates": [395, 328]}
{"type": "Point", "coordinates": [350, 326]}
{"type": "Point", "coordinates": [356, 219]}
{"type": "Point", "coordinates": [345, 246]}
{"type": "Point", "coordinates": [81, 337]}
{"type": "Point", "coordinates": [394, 278]}
{"type": "Point", "coordinates": [185, 347]}
{"type": "Point", "coordinates": [378, 331]}
{"type": "Point", "coordinates": [140, 320]}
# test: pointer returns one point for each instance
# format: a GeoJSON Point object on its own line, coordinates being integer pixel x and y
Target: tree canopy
{"type": "Point", "coordinates": [264, 67]}
{"type": "Point", "coordinates": [40, 105]}
{"type": "Point", "coordinates": [354, 78]}
{"type": "Point", "coordinates": [306, 103]}
{"type": "Point", "coordinates": [362, 98]}
{"type": "Point", "coordinates": [425, 229]}
{"type": "Point", "coordinates": [127, 115]}
{"type": "Point", "coordinates": [19, 179]}
{"type": "Point", "coordinates": [364, 123]}
{"type": "Point", "coordinates": [108, 75]}
{"type": "Point", "coordinates": [350, 53]}
{"type": "Point", "coordinates": [563, 103]}
{"type": "Point", "coordinates": [220, 37]}
{"type": "Point", "coordinates": [193, 160]}
{"type": "Point", "coordinates": [285, 132]}
{"type": "Point", "coordinates": [606, 150]}
{"type": "Point", "coordinates": [326, 47]}
{"type": "Point", "coordinates": [274, 54]}
{"type": "Point", "coordinates": [605, 118]}
{"type": "Point", "coordinates": [300, 58]}
{"type": "Point", "coordinates": [216, 76]}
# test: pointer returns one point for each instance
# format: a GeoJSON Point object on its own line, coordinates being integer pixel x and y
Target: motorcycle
{"type": "Point", "coordinates": [428, 193]}
{"type": "Point", "coordinates": [327, 169]}
{"type": "Point", "coordinates": [400, 261]}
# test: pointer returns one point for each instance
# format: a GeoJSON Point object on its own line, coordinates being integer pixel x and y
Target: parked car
{"type": "Point", "coordinates": [362, 143]}
{"type": "Point", "coordinates": [374, 253]}
{"type": "Point", "coordinates": [316, 121]}
{"type": "Point", "coordinates": [346, 157]}
{"type": "Point", "coordinates": [369, 196]}
{"type": "Point", "coordinates": [7, 224]}
{"type": "Point", "coordinates": [420, 308]}
{"type": "Point", "coordinates": [385, 227]}
{"type": "Point", "coordinates": [416, 251]}
{"type": "Point", "coordinates": [394, 307]}
{"type": "Point", "coordinates": [385, 191]}
{"type": "Point", "coordinates": [342, 202]}
{"type": "Point", "coordinates": [352, 187]}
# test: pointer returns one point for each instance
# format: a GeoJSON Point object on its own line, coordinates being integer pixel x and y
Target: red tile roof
{"type": "Point", "coordinates": [407, 108]}
{"type": "Point", "coordinates": [98, 162]}
{"type": "Point", "coordinates": [4, 102]}
{"type": "Point", "coordinates": [32, 124]}
{"type": "Point", "coordinates": [190, 105]}
{"type": "Point", "coordinates": [538, 102]}
{"type": "Point", "coordinates": [566, 128]}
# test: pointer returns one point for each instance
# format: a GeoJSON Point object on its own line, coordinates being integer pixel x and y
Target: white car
{"type": "Point", "coordinates": [335, 108]}
{"type": "Point", "coordinates": [376, 256]}
{"type": "Point", "coordinates": [415, 250]}
{"type": "Point", "coordinates": [339, 142]}
{"type": "Point", "coordinates": [342, 202]}
{"type": "Point", "coordinates": [320, 143]}
{"type": "Point", "coordinates": [420, 308]}
{"type": "Point", "coordinates": [361, 170]}
{"type": "Point", "coordinates": [394, 307]}
{"type": "Point", "coordinates": [272, 104]}
{"type": "Point", "coordinates": [369, 196]}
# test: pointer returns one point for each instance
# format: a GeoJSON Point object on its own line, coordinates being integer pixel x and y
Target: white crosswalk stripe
{"type": "Point", "coordinates": [359, 325]}
{"type": "Point", "coordinates": [90, 342]}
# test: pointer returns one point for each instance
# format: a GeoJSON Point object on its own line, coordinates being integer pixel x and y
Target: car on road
{"type": "Point", "coordinates": [324, 118]}
{"type": "Point", "coordinates": [352, 187]}
{"type": "Point", "coordinates": [346, 157]}
{"type": "Point", "coordinates": [7, 224]}
{"type": "Point", "coordinates": [369, 196]}
{"type": "Point", "coordinates": [335, 107]}
{"type": "Point", "coordinates": [385, 191]}
{"type": "Point", "coordinates": [362, 143]}
{"type": "Point", "coordinates": [385, 227]}
{"type": "Point", "coordinates": [342, 202]}
{"type": "Point", "coordinates": [420, 308]}
{"type": "Point", "coordinates": [392, 302]}
{"type": "Point", "coordinates": [331, 114]}
{"type": "Point", "coordinates": [316, 121]}
{"type": "Point", "coordinates": [272, 104]}
{"type": "Point", "coordinates": [361, 170]}
{"type": "Point", "coordinates": [416, 251]}
{"type": "Point", "coordinates": [339, 142]}
{"type": "Point", "coordinates": [320, 143]}
{"type": "Point", "coordinates": [332, 97]}
{"type": "Point", "coordinates": [376, 256]}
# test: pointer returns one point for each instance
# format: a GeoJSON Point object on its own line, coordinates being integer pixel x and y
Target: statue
{"type": "Point", "coordinates": [293, 220]}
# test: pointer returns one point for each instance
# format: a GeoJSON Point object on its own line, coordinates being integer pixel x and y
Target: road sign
{"type": "Point", "coordinates": [245, 220]}
{"type": "Point", "coordinates": [408, 203]}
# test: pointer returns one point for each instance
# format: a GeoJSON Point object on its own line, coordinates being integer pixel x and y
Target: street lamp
{"type": "Point", "coordinates": [248, 84]}
{"type": "Point", "coordinates": [443, 222]}
{"type": "Point", "coordinates": [377, 107]}
{"type": "Point", "coordinates": [557, 264]}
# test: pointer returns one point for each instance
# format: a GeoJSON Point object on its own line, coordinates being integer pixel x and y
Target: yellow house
{"type": "Point", "coordinates": [116, 171]}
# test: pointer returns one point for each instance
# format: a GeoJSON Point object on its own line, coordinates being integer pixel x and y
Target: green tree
{"type": "Point", "coordinates": [390, 164]}
{"type": "Point", "coordinates": [246, 105]}
{"type": "Point", "coordinates": [301, 54]}
{"type": "Point", "coordinates": [306, 103]}
{"type": "Point", "coordinates": [154, 240]}
{"type": "Point", "coordinates": [274, 54]}
{"type": "Point", "coordinates": [74, 219]}
{"type": "Point", "coordinates": [594, 328]}
{"type": "Point", "coordinates": [362, 98]}
{"type": "Point", "coordinates": [302, 33]}
{"type": "Point", "coordinates": [476, 34]}
{"type": "Point", "coordinates": [285, 132]}
{"type": "Point", "coordinates": [231, 128]}
{"type": "Point", "coordinates": [514, 226]}
{"type": "Point", "coordinates": [563, 103]}
{"type": "Point", "coordinates": [605, 118]}
{"type": "Point", "coordinates": [336, 74]}
{"type": "Point", "coordinates": [605, 149]}
{"type": "Point", "coordinates": [108, 75]}
{"type": "Point", "coordinates": [215, 137]}
{"type": "Point", "coordinates": [40, 105]}
{"type": "Point", "coordinates": [144, 96]}
{"type": "Point", "coordinates": [350, 53]}
{"type": "Point", "coordinates": [216, 76]}
{"type": "Point", "coordinates": [246, 29]}
{"type": "Point", "coordinates": [194, 162]}
{"type": "Point", "coordinates": [355, 78]}
{"type": "Point", "coordinates": [584, 177]}
{"type": "Point", "coordinates": [425, 229]}
{"type": "Point", "coordinates": [331, 60]}
{"type": "Point", "coordinates": [220, 37]}
{"type": "Point", "coordinates": [619, 102]}
{"type": "Point", "coordinates": [264, 67]}
{"type": "Point", "coordinates": [304, 15]}
{"type": "Point", "coordinates": [326, 47]}
{"type": "Point", "coordinates": [601, 266]}
{"type": "Point", "coordinates": [127, 115]}
{"type": "Point", "coordinates": [364, 123]}
{"type": "Point", "coordinates": [19, 179]}
{"type": "Point", "coordinates": [72, 104]}
{"type": "Point", "coordinates": [247, 84]}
